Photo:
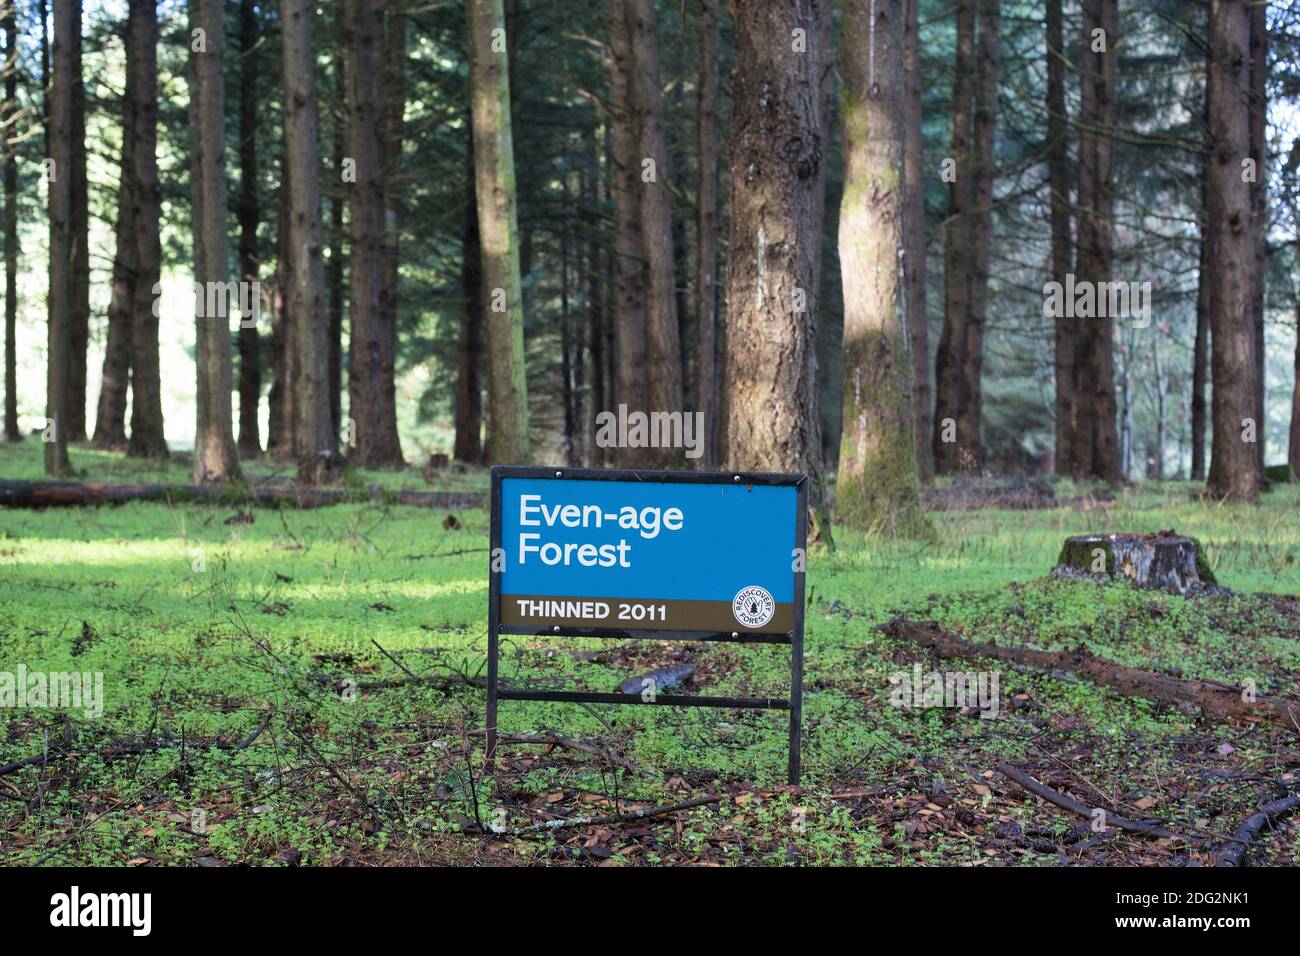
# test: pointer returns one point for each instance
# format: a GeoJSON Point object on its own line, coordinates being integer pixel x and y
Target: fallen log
{"type": "Point", "coordinates": [661, 678]}
{"type": "Point", "coordinates": [549, 826]}
{"type": "Point", "coordinates": [1234, 853]}
{"type": "Point", "coordinates": [1142, 827]}
{"type": "Point", "coordinates": [66, 494]}
{"type": "Point", "coordinates": [1213, 699]}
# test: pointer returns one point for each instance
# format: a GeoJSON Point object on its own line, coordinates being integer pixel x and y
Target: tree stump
{"type": "Point", "coordinates": [1162, 561]}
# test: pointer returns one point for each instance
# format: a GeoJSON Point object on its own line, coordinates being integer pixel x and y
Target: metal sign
{"type": "Point", "coordinates": [696, 556]}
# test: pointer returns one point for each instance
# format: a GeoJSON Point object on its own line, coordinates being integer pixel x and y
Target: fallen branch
{"type": "Point", "coordinates": [1235, 853]}
{"type": "Point", "coordinates": [68, 494]}
{"type": "Point", "coordinates": [1212, 698]}
{"type": "Point", "coordinates": [551, 825]}
{"type": "Point", "coordinates": [563, 743]}
{"type": "Point", "coordinates": [1142, 827]}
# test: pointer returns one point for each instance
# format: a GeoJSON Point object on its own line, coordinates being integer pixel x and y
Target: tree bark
{"type": "Point", "coordinates": [215, 458]}
{"type": "Point", "coordinates": [595, 293]}
{"type": "Point", "coordinates": [337, 233]}
{"type": "Point", "coordinates": [250, 367]}
{"type": "Point", "coordinates": [1293, 447]}
{"type": "Point", "coordinates": [948, 359]}
{"type": "Point", "coordinates": [79, 331]}
{"type": "Point", "coordinates": [11, 225]}
{"type": "Point", "coordinates": [61, 240]}
{"type": "Point", "coordinates": [971, 391]}
{"type": "Point", "coordinates": [494, 172]}
{"type": "Point", "coordinates": [1257, 120]}
{"type": "Point", "coordinates": [1096, 449]}
{"type": "Point", "coordinates": [706, 232]}
{"type": "Point", "coordinates": [662, 334]}
{"type": "Point", "coordinates": [469, 359]}
{"type": "Point", "coordinates": [1234, 462]}
{"type": "Point", "coordinates": [316, 446]}
{"type": "Point", "coordinates": [280, 443]}
{"type": "Point", "coordinates": [391, 132]}
{"type": "Point", "coordinates": [629, 290]}
{"type": "Point", "coordinates": [376, 437]}
{"type": "Point", "coordinates": [770, 419]}
{"type": "Point", "coordinates": [877, 486]}
{"type": "Point", "coordinates": [1201, 347]}
{"type": "Point", "coordinates": [914, 235]}
{"type": "Point", "coordinates": [1066, 330]}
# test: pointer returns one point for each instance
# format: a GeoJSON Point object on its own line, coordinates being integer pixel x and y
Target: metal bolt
{"type": "Point", "coordinates": [557, 629]}
{"type": "Point", "coordinates": [737, 478]}
{"type": "Point", "coordinates": [735, 634]}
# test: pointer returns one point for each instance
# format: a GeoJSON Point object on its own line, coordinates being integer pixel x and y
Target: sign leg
{"type": "Point", "coordinates": [491, 748]}
{"type": "Point", "coordinates": [796, 705]}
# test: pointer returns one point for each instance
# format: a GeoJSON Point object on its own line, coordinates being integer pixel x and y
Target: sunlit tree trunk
{"type": "Point", "coordinates": [494, 172]}
{"type": "Point", "coordinates": [877, 486]}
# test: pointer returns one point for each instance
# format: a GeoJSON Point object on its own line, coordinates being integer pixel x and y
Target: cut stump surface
{"type": "Point", "coordinates": [1162, 561]}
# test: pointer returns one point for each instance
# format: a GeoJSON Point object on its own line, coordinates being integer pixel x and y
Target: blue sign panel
{"type": "Point", "coordinates": [705, 553]}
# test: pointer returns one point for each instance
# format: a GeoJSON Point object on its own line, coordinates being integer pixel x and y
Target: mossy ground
{"type": "Point", "coordinates": [206, 626]}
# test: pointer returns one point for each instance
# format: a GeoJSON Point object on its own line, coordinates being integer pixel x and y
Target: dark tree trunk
{"type": "Point", "coordinates": [61, 240]}
{"type": "Point", "coordinates": [770, 417]}
{"type": "Point", "coordinates": [334, 267]}
{"type": "Point", "coordinates": [706, 233]}
{"type": "Point", "coordinates": [1258, 126]}
{"type": "Point", "coordinates": [317, 450]}
{"type": "Point", "coordinates": [595, 299]}
{"type": "Point", "coordinates": [11, 226]}
{"type": "Point", "coordinates": [629, 317]}
{"type": "Point", "coordinates": [1096, 448]}
{"type": "Point", "coordinates": [1068, 387]}
{"type": "Point", "coordinates": [147, 438]}
{"type": "Point", "coordinates": [971, 390]}
{"type": "Point", "coordinates": [79, 331]}
{"type": "Point", "coordinates": [914, 176]}
{"type": "Point", "coordinates": [250, 368]}
{"type": "Point", "coordinates": [469, 364]}
{"type": "Point", "coordinates": [280, 442]}
{"type": "Point", "coordinates": [215, 458]}
{"type": "Point", "coordinates": [662, 345]}
{"type": "Point", "coordinates": [1234, 462]}
{"type": "Point", "coordinates": [948, 358]}
{"type": "Point", "coordinates": [392, 135]}
{"type": "Point", "coordinates": [1201, 348]}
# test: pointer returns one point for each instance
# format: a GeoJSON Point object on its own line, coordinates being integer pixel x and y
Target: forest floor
{"type": "Point", "coordinates": [293, 687]}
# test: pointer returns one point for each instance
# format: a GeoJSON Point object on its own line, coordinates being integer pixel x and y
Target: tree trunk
{"type": "Point", "coordinates": [317, 450]}
{"type": "Point", "coordinates": [1234, 463]}
{"type": "Point", "coordinates": [337, 240]}
{"type": "Point", "coordinates": [250, 368]}
{"type": "Point", "coordinates": [61, 240]}
{"type": "Point", "coordinates": [215, 458]}
{"type": "Point", "coordinates": [662, 341]}
{"type": "Point", "coordinates": [1097, 446]}
{"type": "Point", "coordinates": [280, 443]}
{"type": "Point", "coordinates": [595, 298]}
{"type": "Point", "coordinates": [1201, 348]}
{"type": "Point", "coordinates": [971, 390]}
{"type": "Point", "coordinates": [1258, 129]}
{"type": "Point", "coordinates": [629, 288]}
{"type": "Point", "coordinates": [494, 172]}
{"type": "Point", "coordinates": [770, 419]}
{"type": "Point", "coordinates": [877, 486]}
{"type": "Point", "coordinates": [391, 133]}
{"type": "Point", "coordinates": [914, 236]}
{"type": "Point", "coordinates": [79, 331]}
{"type": "Point", "coordinates": [11, 226]}
{"type": "Point", "coordinates": [948, 359]}
{"type": "Point", "coordinates": [1293, 448]}
{"type": "Point", "coordinates": [469, 364]}
{"type": "Point", "coordinates": [366, 220]}
{"type": "Point", "coordinates": [1068, 405]}
{"type": "Point", "coordinates": [706, 232]}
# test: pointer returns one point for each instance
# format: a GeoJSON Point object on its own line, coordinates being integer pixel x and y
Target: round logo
{"type": "Point", "coordinates": [753, 606]}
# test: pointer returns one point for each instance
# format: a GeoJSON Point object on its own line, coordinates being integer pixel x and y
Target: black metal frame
{"type": "Point", "coordinates": [794, 638]}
